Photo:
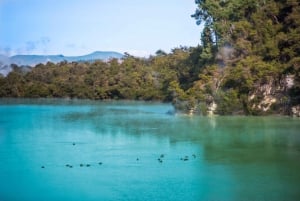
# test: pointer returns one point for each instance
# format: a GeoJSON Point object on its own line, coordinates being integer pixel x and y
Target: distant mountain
{"type": "Point", "coordinates": [5, 67]}
{"type": "Point", "coordinates": [98, 55]}
{"type": "Point", "coordinates": [32, 60]}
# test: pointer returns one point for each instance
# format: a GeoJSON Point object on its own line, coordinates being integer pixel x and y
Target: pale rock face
{"type": "Point", "coordinates": [271, 92]}
{"type": "Point", "coordinates": [296, 111]}
{"type": "Point", "coordinates": [266, 103]}
{"type": "Point", "coordinates": [211, 108]}
{"type": "Point", "coordinates": [191, 111]}
{"type": "Point", "coordinates": [266, 90]}
{"type": "Point", "coordinates": [289, 81]}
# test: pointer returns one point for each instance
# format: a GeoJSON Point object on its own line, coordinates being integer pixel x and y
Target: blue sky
{"type": "Point", "coordinates": [77, 27]}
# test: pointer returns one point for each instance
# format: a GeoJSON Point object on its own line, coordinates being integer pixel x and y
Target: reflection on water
{"type": "Point", "coordinates": [137, 151]}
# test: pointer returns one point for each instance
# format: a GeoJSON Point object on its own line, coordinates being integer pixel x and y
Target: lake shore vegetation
{"type": "Point", "coordinates": [248, 62]}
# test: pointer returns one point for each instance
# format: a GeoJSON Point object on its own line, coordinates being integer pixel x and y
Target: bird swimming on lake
{"type": "Point", "coordinates": [186, 158]}
{"type": "Point", "coordinates": [69, 166]}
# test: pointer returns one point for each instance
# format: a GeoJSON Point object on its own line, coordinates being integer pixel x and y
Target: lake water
{"type": "Point", "coordinates": [145, 153]}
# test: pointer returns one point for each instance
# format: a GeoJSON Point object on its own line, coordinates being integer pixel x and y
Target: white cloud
{"type": "Point", "coordinates": [39, 46]}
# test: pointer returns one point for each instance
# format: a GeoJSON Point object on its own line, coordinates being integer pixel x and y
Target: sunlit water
{"type": "Point", "coordinates": [145, 153]}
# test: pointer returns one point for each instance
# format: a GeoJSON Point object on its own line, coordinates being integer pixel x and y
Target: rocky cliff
{"type": "Point", "coordinates": [270, 96]}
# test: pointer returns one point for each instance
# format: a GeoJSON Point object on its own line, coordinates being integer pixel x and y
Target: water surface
{"type": "Point", "coordinates": [226, 158]}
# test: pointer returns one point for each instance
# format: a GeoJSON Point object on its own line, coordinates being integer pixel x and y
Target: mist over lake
{"type": "Point", "coordinates": [199, 102]}
{"type": "Point", "coordinates": [55, 149]}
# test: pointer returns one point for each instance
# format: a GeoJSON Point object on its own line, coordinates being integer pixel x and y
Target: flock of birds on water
{"type": "Point", "coordinates": [159, 159]}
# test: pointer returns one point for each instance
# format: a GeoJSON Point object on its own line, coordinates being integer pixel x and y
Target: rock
{"type": "Point", "coordinates": [211, 108]}
{"type": "Point", "coordinates": [295, 110]}
{"type": "Point", "coordinates": [271, 96]}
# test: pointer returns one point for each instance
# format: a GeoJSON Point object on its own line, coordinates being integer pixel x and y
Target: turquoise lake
{"type": "Point", "coordinates": [77, 150]}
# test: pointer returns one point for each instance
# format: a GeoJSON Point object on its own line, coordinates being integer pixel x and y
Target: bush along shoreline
{"type": "Point", "coordinates": [248, 63]}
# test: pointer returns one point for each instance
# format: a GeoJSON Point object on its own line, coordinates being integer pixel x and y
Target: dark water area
{"type": "Point", "coordinates": [54, 149]}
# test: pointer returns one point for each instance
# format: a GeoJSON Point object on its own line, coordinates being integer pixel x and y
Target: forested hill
{"type": "Point", "coordinates": [253, 52]}
{"type": "Point", "coordinates": [248, 63]}
{"type": "Point", "coordinates": [32, 60]}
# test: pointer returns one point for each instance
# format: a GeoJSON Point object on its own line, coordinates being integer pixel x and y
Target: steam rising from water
{"type": "Point", "coordinates": [225, 54]}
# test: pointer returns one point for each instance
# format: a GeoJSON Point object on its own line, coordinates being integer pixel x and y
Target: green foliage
{"type": "Point", "coordinates": [244, 44]}
{"type": "Point", "coordinates": [229, 103]}
{"type": "Point", "coordinates": [176, 91]}
{"type": "Point", "coordinates": [249, 71]}
{"type": "Point", "coordinates": [264, 41]}
{"type": "Point", "coordinates": [131, 78]}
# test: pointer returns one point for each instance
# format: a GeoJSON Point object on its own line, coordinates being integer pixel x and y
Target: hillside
{"type": "Point", "coordinates": [32, 60]}
{"type": "Point", "coordinates": [248, 63]}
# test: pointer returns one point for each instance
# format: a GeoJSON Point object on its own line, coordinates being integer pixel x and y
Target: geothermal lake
{"type": "Point", "coordinates": [77, 150]}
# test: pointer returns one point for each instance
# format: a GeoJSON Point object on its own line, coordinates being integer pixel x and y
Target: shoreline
{"type": "Point", "coordinates": [60, 100]}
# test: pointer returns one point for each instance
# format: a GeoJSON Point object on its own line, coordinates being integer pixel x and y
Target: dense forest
{"type": "Point", "coordinates": [248, 62]}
